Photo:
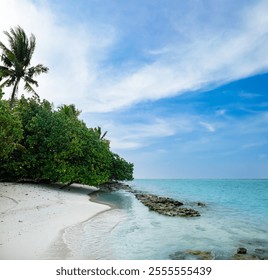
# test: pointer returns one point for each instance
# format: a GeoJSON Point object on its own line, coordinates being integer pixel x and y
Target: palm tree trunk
{"type": "Point", "coordinates": [14, 91]}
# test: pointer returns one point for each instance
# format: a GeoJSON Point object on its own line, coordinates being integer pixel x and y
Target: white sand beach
{"type": "Point", "coordinates": [34, 217]}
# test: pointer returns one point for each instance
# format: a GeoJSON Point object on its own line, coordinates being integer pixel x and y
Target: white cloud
{"type": "Point", "coordinates": [76, 53]}
{"type": "Point", "coordinates": [146, 131]}
{"type": "Point", "coordinates": [227, 55]}
{"type": "Point", "coordinates": [71, 51]}
{"type": "Point", "coordinates": [208, 126]}
{"type": "Point", "coordinates": [220, 112]}
{"type": "Point", "coordinates": [137, 135]}
{"type": "Point", "coordinates": [249, 95]}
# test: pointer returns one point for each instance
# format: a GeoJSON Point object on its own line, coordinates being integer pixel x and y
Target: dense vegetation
{"type": "Point", "coordinates": [40, 143]}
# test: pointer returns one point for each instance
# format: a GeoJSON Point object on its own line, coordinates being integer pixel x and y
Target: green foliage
{"type": "Point", "coordinates": [40, 143]}
{"type": "Point", "coordinates": [1, 93]}
{"type": "Point", "coordinates": [11, 130]}
{"type": "Point", "coordinates": [55, 146]}
{"type": "Point", "coordinates": [16, 59]}
{"type": "Point", "coordinates": [120, 169]}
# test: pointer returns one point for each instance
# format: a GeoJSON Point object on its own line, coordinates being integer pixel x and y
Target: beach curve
{"type": "Point", "coordinates": [33, 218]}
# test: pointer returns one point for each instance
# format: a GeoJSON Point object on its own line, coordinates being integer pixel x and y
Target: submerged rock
{"type": "Point", "coordinates": [166, 206]}
{"type": "Point", "coordinates": [258, 254]}
{"type": "Point", "coordinates": [192, 255]}
{"type": "Point", "coordinates": [241, 251]}
{"type": "Point", "coordinates": [262, 254]}
{"type": "Point", "coordinates": [245, 257]}
{"type": "Point", "coordinates": [162, 205]}
{"type": "Point", "coordinates": [260, 251]}
{"type": "Point", "coordinates": [201, 204]}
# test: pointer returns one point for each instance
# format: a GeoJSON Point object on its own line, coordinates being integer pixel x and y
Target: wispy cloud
{"type": "Point", "coordinates": [254, 145]}
{"type": "Point", "coordinates": [139, 134]}
{"type": "Point", "coordinates": [77, 53]}
{"type": "Point", "coordinates": [216, 57]}
{"type": "Point", "coordinates": [146, 131]}
{"type": "Point", "coordinates": [220, 112]}
{"type": "Point", "coordinates": [111, 58]}
{"type": "Point", "coordinates": [208, 126]}
{"type": "Point", "coordinates": [249, 95]}
{"type": "Point", "coordinates": [72, 52]}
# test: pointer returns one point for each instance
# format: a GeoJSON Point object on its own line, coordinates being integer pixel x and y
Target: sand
{"type": "Point", "coordinates": [33, 218]}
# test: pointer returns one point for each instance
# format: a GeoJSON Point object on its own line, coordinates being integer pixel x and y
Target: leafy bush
{"type": "Point", "coordinates": [43, 144]}
{"type": "Point", "coordinates": [11, 130]}
{"type": "Point", "coordinates": [121, 169]}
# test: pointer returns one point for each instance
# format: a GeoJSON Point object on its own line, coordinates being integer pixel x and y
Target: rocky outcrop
{"type": "Point", "coordinates": [162, 205]}
{"type": "Point", "coordinates": [166, 206]}
{"type": "Point", "coordinates": [192, 255]}
{"type": "Point", "coordinates": [241, 251]}
{"type": "Point", "coordinates": [240, 254]}
{"type": "Point", "coordinates": [262, 254]}
{"type": "Point", "coordinates": [258, 254]}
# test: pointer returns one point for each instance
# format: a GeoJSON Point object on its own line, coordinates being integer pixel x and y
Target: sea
{"type": "Point", "coordinates": [235, 215]}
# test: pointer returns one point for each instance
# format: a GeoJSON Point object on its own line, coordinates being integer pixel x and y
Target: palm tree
{"type": "Point", "coordinates": [16, 62]}
{"type": "Point", "coordinates": [70, 110]}
{"type": "Point", "coordinates": [98, 132]}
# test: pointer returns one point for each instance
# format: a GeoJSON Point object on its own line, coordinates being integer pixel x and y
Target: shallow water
{"type": "Point", "coordinates": [236, 215]}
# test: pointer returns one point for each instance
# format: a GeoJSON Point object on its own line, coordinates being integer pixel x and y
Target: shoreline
{"type": "Point", "coordinates": [50, 222]}
{"type": "Point", "coordinates": [60, 249]}
{"type": "Point", "coordinates": [34, 218]}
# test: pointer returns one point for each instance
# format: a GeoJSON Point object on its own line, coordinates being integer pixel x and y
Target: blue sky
{"type": "Point", "coordinates": [180, 86]}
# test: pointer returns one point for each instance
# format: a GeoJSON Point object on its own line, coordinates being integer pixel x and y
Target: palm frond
{"type": "Point", "coordinates": [29, 88]}
{"type": "Point", "coordinates": [29, 80]}
{"type": "Point", "coordinates": [10, 39]}
{"type": "Point", "coordinates": [6, 61]}
{"type": "Point", "coordinates": [9, 57]}
{"type": "Point", "coordinates": [6, 56]}
{"type": "Point", "coordinates": [104, 134]}
{"type": "Point", "coordinates": [5, 72]}
{"type": "Point", "coordinates": [31, 48]}
{"type": "Point", "coordinates": [37, 70]}
{"type": "Point", "coordinates": [20, 46]}
{"type": "Point", "coordinates": [5, 84]}
{"type": "Point", "coordinates": [16, 61]}
{"type": "Point", "coordinates": [4, 48]}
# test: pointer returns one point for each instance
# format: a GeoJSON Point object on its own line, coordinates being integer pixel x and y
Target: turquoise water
{"type": "Point", "coordinates": [236, 215]}
{"type": "Point", "coordinates": [240, 198]}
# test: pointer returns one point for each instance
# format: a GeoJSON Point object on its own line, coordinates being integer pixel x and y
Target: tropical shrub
{"type": "Point", "coordinates": [55, 146]}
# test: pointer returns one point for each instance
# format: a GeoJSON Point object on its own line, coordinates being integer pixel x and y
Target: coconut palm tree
{"type": "Point", "coordinates": [16, 62]}
{"type": "Point", "coordinates": [99, 133]}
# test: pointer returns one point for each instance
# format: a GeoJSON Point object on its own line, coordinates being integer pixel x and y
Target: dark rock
{"type": "Point", "coordinates": [241, 251]}
{"type": "Point", "coordinates": [162, 205]}
{"type": "Point", "coordinates": [166, 206]}
{"type": "Point", "coordinates": [192, 255]}
{"type": "Point", "coordinates": [242, 254]}
{"type": "Point", "coordinates": [260, 251]}
{"type": "Point", "coordinates": [262, 254]}
{"type": "Point", "coordinates": [245, 257]}
{"type": "Point", "coordinates": [201, 204]}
